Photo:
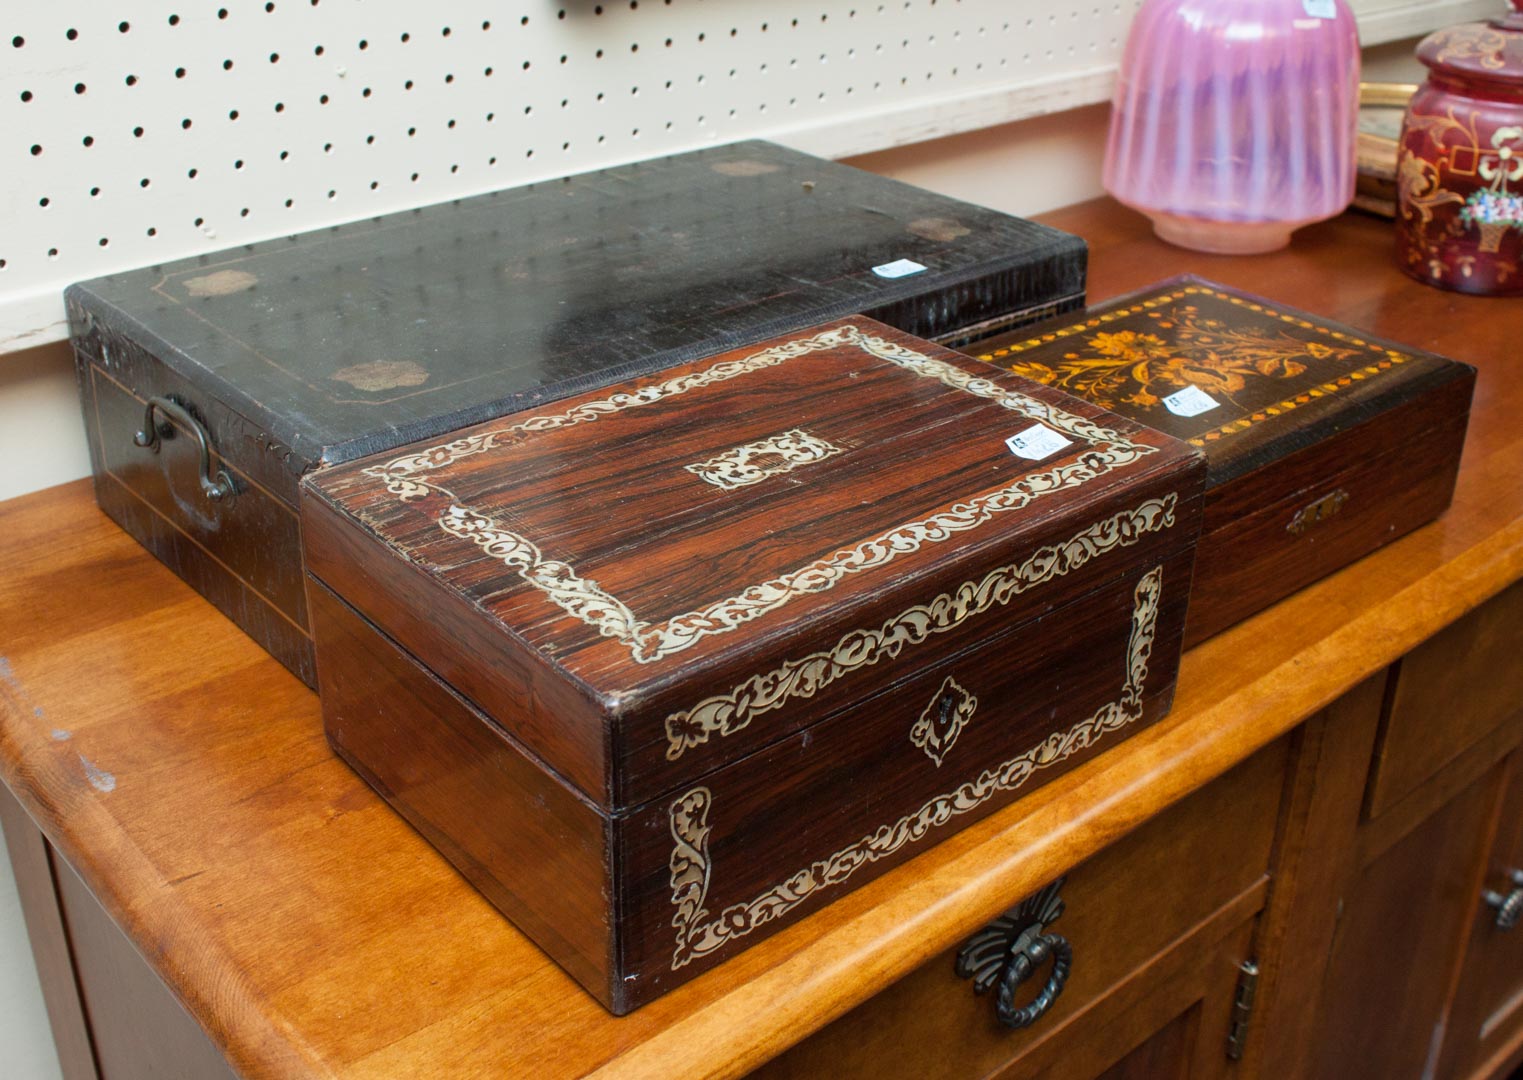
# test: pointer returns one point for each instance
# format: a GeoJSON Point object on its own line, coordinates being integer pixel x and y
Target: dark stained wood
{"type": "Point", "coordinates": [244, 535]}
{"type": "Point", "coordinates": [1468, 768]}
{"type": "Point", "coordinates": [1323, 444]}
{"type": "Point", "coordinates": [1166, 1054]}
{"type": "Point", "coordinates": [431, 545]}
{"type": "Point", "coordinates": [234, 553]}
{"type": "Point", "coordinates": [267, 625]}
{"type": "Point", "coordinates": [532, 845]}
{"type": "Point", "coordinates": [1257, 548]}
{"type": "Point", "coordinates": [32, 861]}
{"type": "Point", "coordinates": [1400, 931]}
{"type": "Point", "coordinates": [323, 347]}
{"type": "Point", "coordinates": [1181, 1017]}
{"type": "Point", "coordinates": [1152, 907]}
{"type": "Point", "coordinates": [313, 933]}
{"type": "Point", "coordinates": [1475, 661]}
{"type": "Point", "coordinates": [1020, 615]}
{"type": "Point", "coordinates": [1506, 1061]}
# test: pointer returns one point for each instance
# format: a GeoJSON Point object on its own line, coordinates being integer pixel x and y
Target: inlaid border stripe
{"type": "Point", "coordinates": [584, 600]}
{"type": "Point", "coordinates": [690, 863]}
{"type": "Point", "coordinates": [725, 714]}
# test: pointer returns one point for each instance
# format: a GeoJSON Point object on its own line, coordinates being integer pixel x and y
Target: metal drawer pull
{"type": "Point", "coordinates": [153, 432]}
{"type": "Point", "coordinates": [1009, 951]}
{"type": "Point", "coordinates": [1510, 907]}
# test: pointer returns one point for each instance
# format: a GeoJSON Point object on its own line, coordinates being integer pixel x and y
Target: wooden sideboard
{"type": "Point", "coordinates": [209, 890]}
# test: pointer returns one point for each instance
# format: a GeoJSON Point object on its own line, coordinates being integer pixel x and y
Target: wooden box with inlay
{"type": "Point", "coordinates": [267, 361]}
{"type": "Point", "coordinates": [1323, 442]}
{"type": "Point", "coordinates": [664, 667]}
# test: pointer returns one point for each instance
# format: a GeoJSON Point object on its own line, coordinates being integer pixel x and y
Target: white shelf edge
{"type": "Point", "coordinates": [1420, 16]}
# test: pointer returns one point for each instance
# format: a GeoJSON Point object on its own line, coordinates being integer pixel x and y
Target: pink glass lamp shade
{"type": "Point", "coordinates": [1234, 120]}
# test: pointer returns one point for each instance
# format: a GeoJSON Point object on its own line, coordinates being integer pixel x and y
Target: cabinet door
{"type": "Point", "coordinates": [1399, 934]}
{"type": "Point", "coordinates": [1485, 1025]}
{"type": "Point", "coordinates": [1450, 692]}
{"type": "Point", "coordinates": [1158, 925]}
{"type": "Point", "coordinates": [1177, 1031]}
{"type": "Point", "coordinates": [113, 1018]}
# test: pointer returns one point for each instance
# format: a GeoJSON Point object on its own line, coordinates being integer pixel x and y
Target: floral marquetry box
{"type": "Point", "coordinates": [1322, 442]}
{"type": "Point", "coordinates": [665, 667]}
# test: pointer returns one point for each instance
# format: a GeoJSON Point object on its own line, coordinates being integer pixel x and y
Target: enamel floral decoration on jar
{"type": "Point", "coordinates": [1460, 175]}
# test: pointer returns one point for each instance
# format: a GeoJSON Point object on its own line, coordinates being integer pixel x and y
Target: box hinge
{"type": "Point", "coordinates": [1242, 1009]}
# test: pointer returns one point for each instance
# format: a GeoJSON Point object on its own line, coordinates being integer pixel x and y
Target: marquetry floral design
{"type": "Point", "coordinates": [1138, 368]}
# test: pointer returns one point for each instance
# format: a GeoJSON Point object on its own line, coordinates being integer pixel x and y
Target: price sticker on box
{"type": "Point", "coordinates": [1036, 442]}
{"type": "Point", "coordinates": [1191, 401]}
{"type": "Point", "coordinates": [898, 268]}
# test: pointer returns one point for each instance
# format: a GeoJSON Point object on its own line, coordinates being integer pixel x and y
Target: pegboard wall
{"type": "Point", "coordinates": [134, 132]}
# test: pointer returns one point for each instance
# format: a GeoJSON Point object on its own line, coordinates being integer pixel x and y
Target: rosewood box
{"type": "Point", "coordinates": [664, 667]}
{"type": "Point", "coordinates": [1323, 442]}
{"type": "Point", "coordinates": [267, 361]}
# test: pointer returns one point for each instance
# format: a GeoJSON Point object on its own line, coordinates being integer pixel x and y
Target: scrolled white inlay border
{"type": "Point", "coordinates": [581, 598]}
{"type": "Point", "coordinates": [725, 714]}
{"type": "Point", "coordinates": [690, 864]}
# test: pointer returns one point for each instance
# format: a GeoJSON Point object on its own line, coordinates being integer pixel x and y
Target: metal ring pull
{"type": "Point", "coordinates": [1509, 908]}
{"type": "Point", "coordinates": [1010, 950]}
{"type": "Point", "coordinates": [217, 489]}
{"type": "Point", "coordinates": [1023, 964]}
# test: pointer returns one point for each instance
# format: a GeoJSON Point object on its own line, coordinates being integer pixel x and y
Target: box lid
{"type": "Point", "coordinates": [652, 543]}
{"type": "Point", "coordinates": [350, 340]}
{"type": "Point", "coordinates": [1246, 380]}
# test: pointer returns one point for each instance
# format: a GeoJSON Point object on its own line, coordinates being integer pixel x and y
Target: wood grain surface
{"type": "Point", "coordinates": [183, 772]}
{"type": "Point", "coordinates": [579, 582]}
{"type": "Point", "coordinates": [815, 538]}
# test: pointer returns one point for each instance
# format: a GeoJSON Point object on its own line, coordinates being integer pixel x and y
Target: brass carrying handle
{"type": "Point", "coordinates": [1509, 908]}
{"type": "Point", "coordinates": [217, 489]}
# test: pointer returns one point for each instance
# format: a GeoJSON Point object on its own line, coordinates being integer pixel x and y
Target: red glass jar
{"type": "Point", "coordinates": [1459, 223]}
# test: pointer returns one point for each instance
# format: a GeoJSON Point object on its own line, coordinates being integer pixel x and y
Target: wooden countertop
{"type": "Point", "coordinates": [183, 773]}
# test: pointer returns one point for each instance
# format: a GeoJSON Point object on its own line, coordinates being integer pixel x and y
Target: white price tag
{"type": "Point", "coordinates": [1037, 442]}
{"type": "Point", "coordinates": [1191, 401]}
{"type": "Point", "coordinates": [1321, 9]}
{"type": "Point", "coordinates": [898, 268]}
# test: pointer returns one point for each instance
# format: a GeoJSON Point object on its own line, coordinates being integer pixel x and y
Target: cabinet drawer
{"type": "Point", "coordinates": [1449, 692]}
{"type": "Point", "coordinates": [1139, 917]}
